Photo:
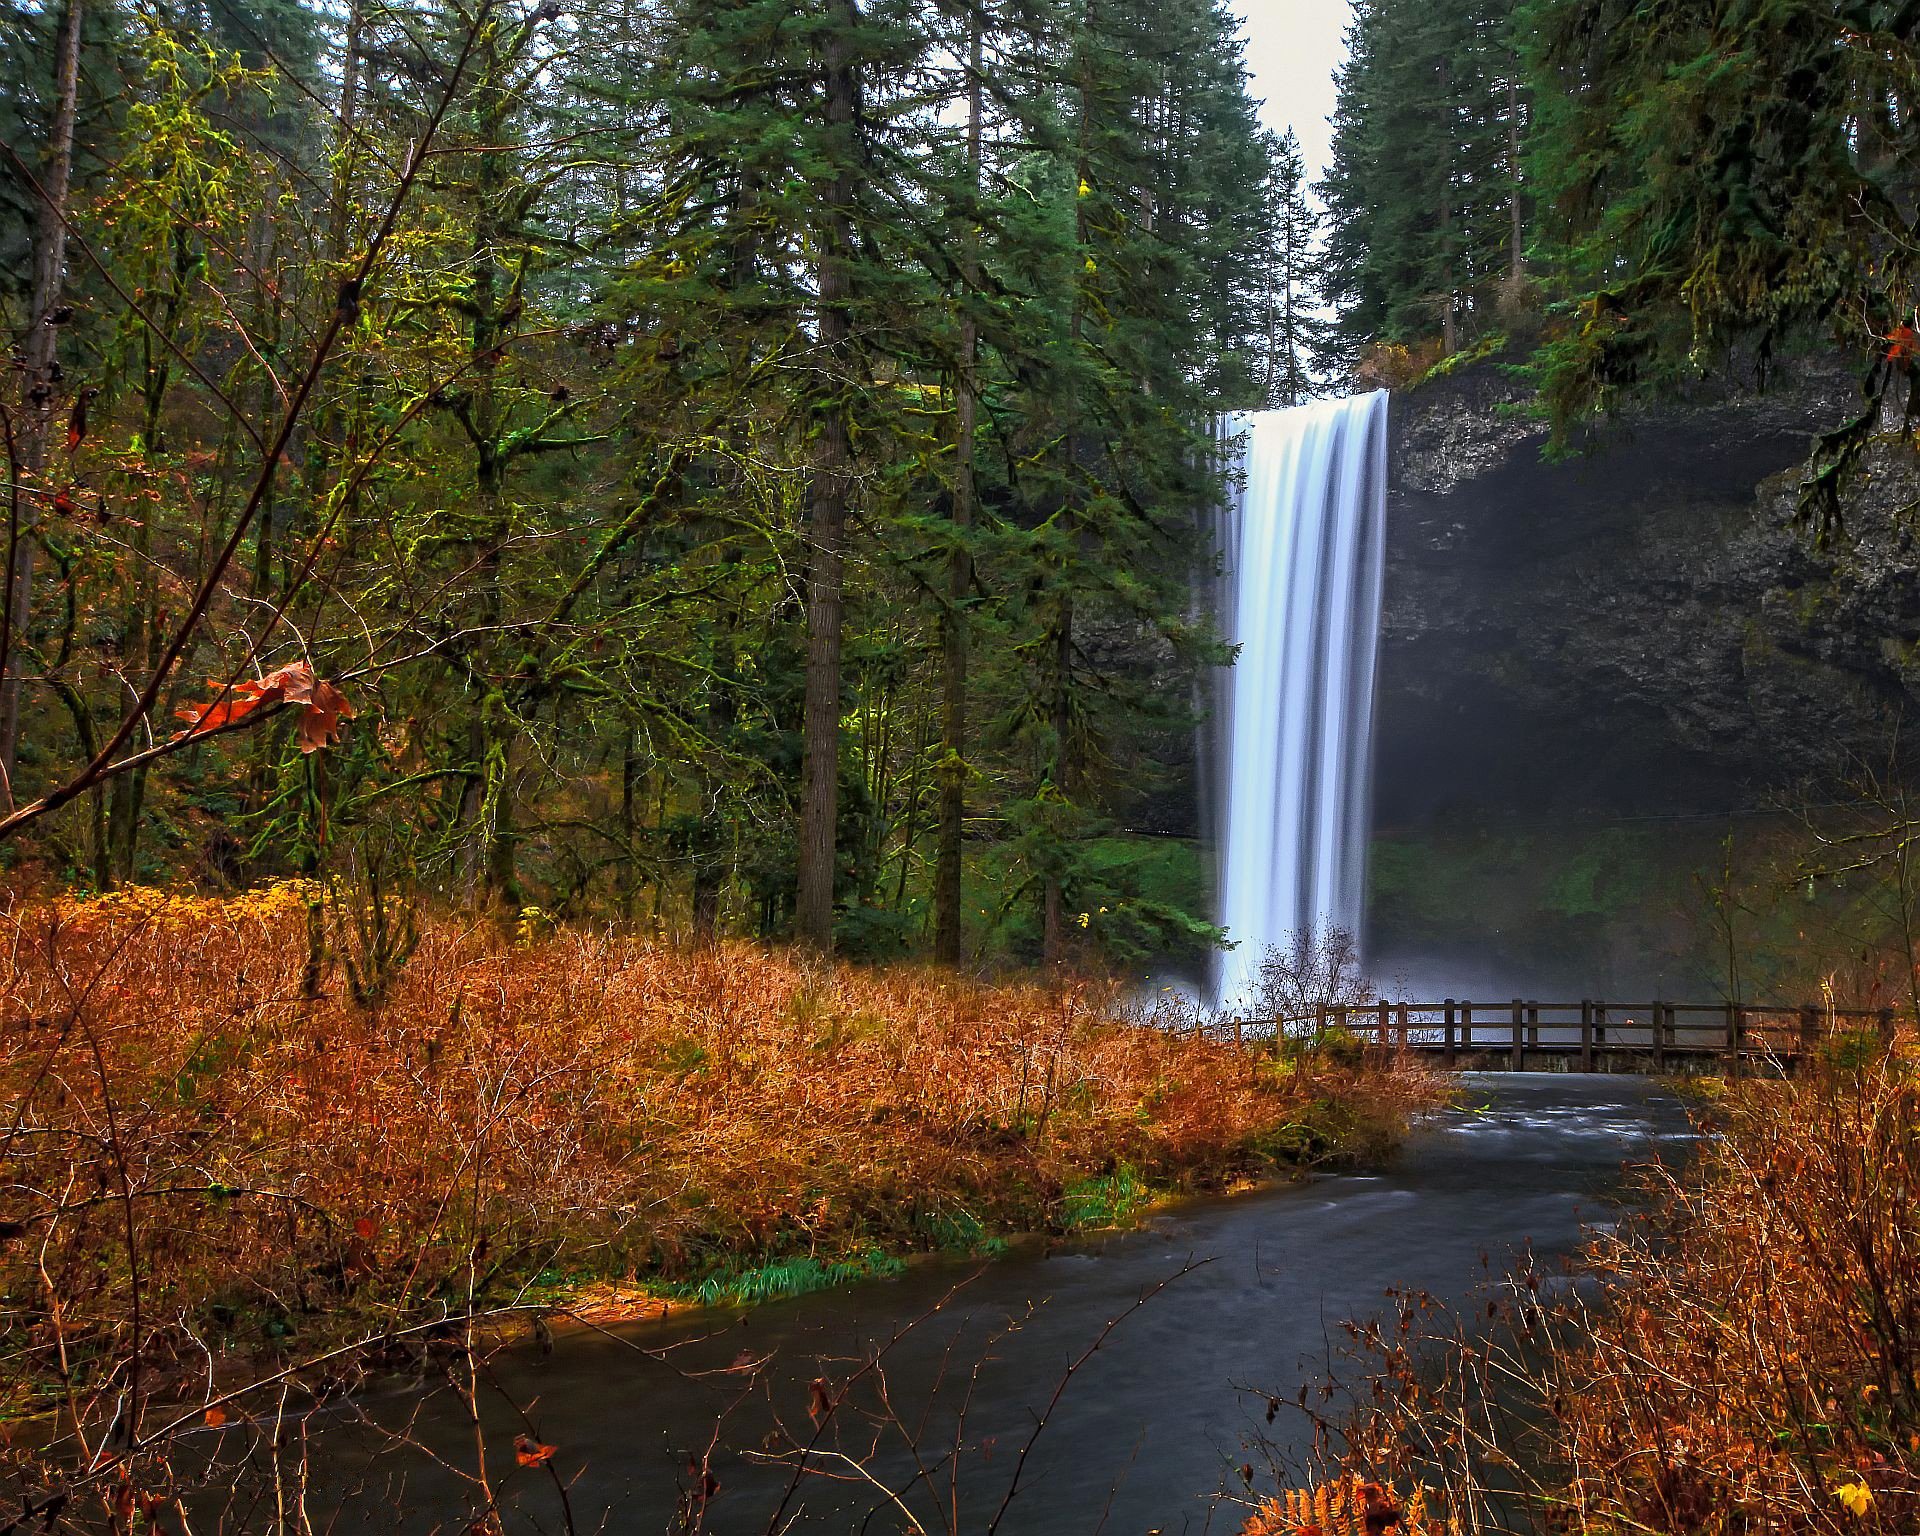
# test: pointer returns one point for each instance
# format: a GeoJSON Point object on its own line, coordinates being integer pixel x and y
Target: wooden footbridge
{"type": "Point", "coordinates": [1587, 1036]}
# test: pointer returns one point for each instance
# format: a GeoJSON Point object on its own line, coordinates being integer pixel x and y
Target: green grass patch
{"type": "Point", "coordinates": [783, 1278]}
{"type": "Point", "coordinates": [958, 1230]}
{"type": "Point", "coordinates": [1106, 1200]}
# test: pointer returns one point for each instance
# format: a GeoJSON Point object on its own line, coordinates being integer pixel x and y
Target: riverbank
{"type": "Point", "coordinates": [1743, 1357]}
{"type": "Point", "coordinates": [953, 1365]}
{"type": "Point", "coordinates": [224, 1159]}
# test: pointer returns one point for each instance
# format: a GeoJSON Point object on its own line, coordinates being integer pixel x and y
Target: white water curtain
{"type": "Point", "coordinates": [1304, 547]}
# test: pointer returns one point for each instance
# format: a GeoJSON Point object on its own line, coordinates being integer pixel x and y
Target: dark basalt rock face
{"type": "Point", "coordinates": [1646, 627]}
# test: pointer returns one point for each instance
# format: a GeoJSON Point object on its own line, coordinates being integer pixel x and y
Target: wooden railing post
{"type": "Point", "coordinates": [1659, 1036]}
{"type": "Point", "coordinates": [1381, 1029]}
{"type": "Point", "coordinates": [1586, 1035]}
{"type": "Point", "coordinates": [1886, 1024]}
{"type": "Point", "coordinates": [1446, 1047]}
{"type": "Point", "coordinates": [1809, 1033]}
{"type": "Point", "coordinates": [1600, 1025]}
{"type": "Point", "coordinates": [1533, 1023]}
{"type": "Point", "coordinates": [1466, 1026]}
{"type": "Point", "coordinates": [1400, 1020]}
{"type": "Point", "coordinates": [1519, 1058]}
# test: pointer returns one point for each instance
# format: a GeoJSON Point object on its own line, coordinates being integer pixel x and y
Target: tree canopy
{"type": "Point", "coordinates": [729, 459]}
{"type": "Point", "coordinates": [1633, 193]}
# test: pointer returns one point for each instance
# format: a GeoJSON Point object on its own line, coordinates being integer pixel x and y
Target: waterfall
{"type": "Point", "coordinates": [1303, 546]}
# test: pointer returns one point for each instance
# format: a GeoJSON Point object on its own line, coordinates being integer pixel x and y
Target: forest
{"type": "Point", "coordinates": [605, 675]}
{"type": "Point", "coordinates": [745, 467]}
{"type": "Point", "coordinates": [735, 466]}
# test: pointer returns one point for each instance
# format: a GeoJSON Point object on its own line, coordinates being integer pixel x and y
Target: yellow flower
{"type": "Point", "coordinates": [1856, 1496]}
{"type": "Point", "coordinates": [1085, 918]}
{"type": "Point", "coordinates": [1092, 266]}
{"type": "Point", "coordinates": [1085, 190]}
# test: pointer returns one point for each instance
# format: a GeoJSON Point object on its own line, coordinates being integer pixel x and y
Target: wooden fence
{"type": "Point", "coordinates": [1587, 1036]}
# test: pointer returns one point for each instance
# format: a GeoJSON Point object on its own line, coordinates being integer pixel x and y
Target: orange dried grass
{"type": "Point", "coordinates": [577, 1107]}
{"type": "Point", "coordinates": [1760, 1368]}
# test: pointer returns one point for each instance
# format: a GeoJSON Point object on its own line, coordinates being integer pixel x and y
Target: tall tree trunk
{"type": "Point", "coordinates": [948, 890]}
{"type": "Point", "coordinates": [1053, 933]}
{"type": "Point", "coordinates": [49, 286]}
{"type": "Point", "coordinates": [1516, 227]}
{"type": "Point", "coordinates": [708, 845]}
{"type": "Point", "coordinates": [631, 784]}
{"type": "Point", "coordinates": [141, 639]}
{"type": "Point", "coordinates": [827, 517]}
{"type": "Point", "coordinates": [489, 802]}
{"type": "Point", "coordinates": [326, 420]}
{"type": "Point", "coordinates": [1053, 926]}
{"type": "Point", "coordinates": [1449, 319]}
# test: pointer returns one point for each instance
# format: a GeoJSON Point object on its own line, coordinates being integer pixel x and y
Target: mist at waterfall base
{"type": "Point", "coordinates": [1302, 541]}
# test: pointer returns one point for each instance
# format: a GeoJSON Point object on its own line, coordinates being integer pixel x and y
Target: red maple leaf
{"type": "Point", "coordinates": [324, 709]}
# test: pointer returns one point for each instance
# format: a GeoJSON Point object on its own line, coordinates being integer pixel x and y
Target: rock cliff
{"type": "Point", "coordinates": [1644, 627]}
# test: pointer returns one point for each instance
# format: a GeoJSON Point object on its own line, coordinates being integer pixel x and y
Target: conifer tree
{"type": "Point", "coordinates": [1297, 330]}
{"type": "Point", "coordinates": [1725, 177]}
{"type": "Point", "coordinates": [1425, 195]}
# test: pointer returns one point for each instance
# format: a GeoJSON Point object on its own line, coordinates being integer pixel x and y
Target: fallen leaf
{"type": "Point", "coordinates": [529, 1452]}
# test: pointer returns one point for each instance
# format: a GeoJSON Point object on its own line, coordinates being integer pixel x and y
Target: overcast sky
{"type": "Point", "coordinates": [1293, 48]}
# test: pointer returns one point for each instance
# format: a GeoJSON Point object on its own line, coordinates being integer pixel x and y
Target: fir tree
{"type": "Point", "coordinates": [1297, 331]}
{"type": "Point", "coordinates": [1424, 194]}
{"type": "Point", "coordinates": [1723, 177]}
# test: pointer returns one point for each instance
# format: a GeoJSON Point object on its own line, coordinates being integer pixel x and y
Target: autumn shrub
{"type": "Point", "coordinates": [1346, 1506]}
{"type": "Point", "coordinates": [213, 1165]}
{"type": "Point", "coordinates": [1759, 1367]}
{"type": "Point", "coordinates": [1394, 365]}
{"type": "Point", "coordinates": [1742, 1358]}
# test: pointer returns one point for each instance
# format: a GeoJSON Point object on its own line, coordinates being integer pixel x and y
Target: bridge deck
{"type": "Point", "coordinates": [1587, 1036]}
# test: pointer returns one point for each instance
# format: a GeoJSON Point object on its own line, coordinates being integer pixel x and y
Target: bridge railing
{"type": "Point", "coordinates": [1590, 1029]}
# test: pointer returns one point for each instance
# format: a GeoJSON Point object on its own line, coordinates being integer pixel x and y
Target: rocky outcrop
{"type": "Point", "coordinates": [1646, 626]}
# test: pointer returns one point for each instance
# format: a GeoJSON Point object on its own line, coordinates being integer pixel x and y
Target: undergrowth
{"type": "Point", "coordinates": [1743, 1358]}
{"type": "Point", "coordinates": [220, 1157]}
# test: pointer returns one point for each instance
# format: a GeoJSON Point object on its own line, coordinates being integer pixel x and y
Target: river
{"type": "Point", "coordinates": [1145, 1434]}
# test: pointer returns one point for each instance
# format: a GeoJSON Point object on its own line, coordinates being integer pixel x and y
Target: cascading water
{"type": "Point", "coordinates": [1303, 544]}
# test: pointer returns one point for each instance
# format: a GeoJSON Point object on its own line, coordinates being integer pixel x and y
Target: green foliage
{"type": "Point", "coordinates": [1721, 177]}
{"type": "Point", "coordinates": [784, 1278]}
{"type": "Point", "coordinates": [551, 507]}
{"type": "Point", "coordinates": [954, 1229]}
{"type": "Point", "coordinates": [1141, 897]}
{"type": "Point", "coordinates": [1333, 1045]}
{"type": "Point", "coordinates": [1852, 1050]}
{"type": "Point", "coordinates": [1426, 195]}
{"type": "Point", "coordinates": [1105, 1200]}
{"type": "Point", "coordinates": [1676, 185]}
